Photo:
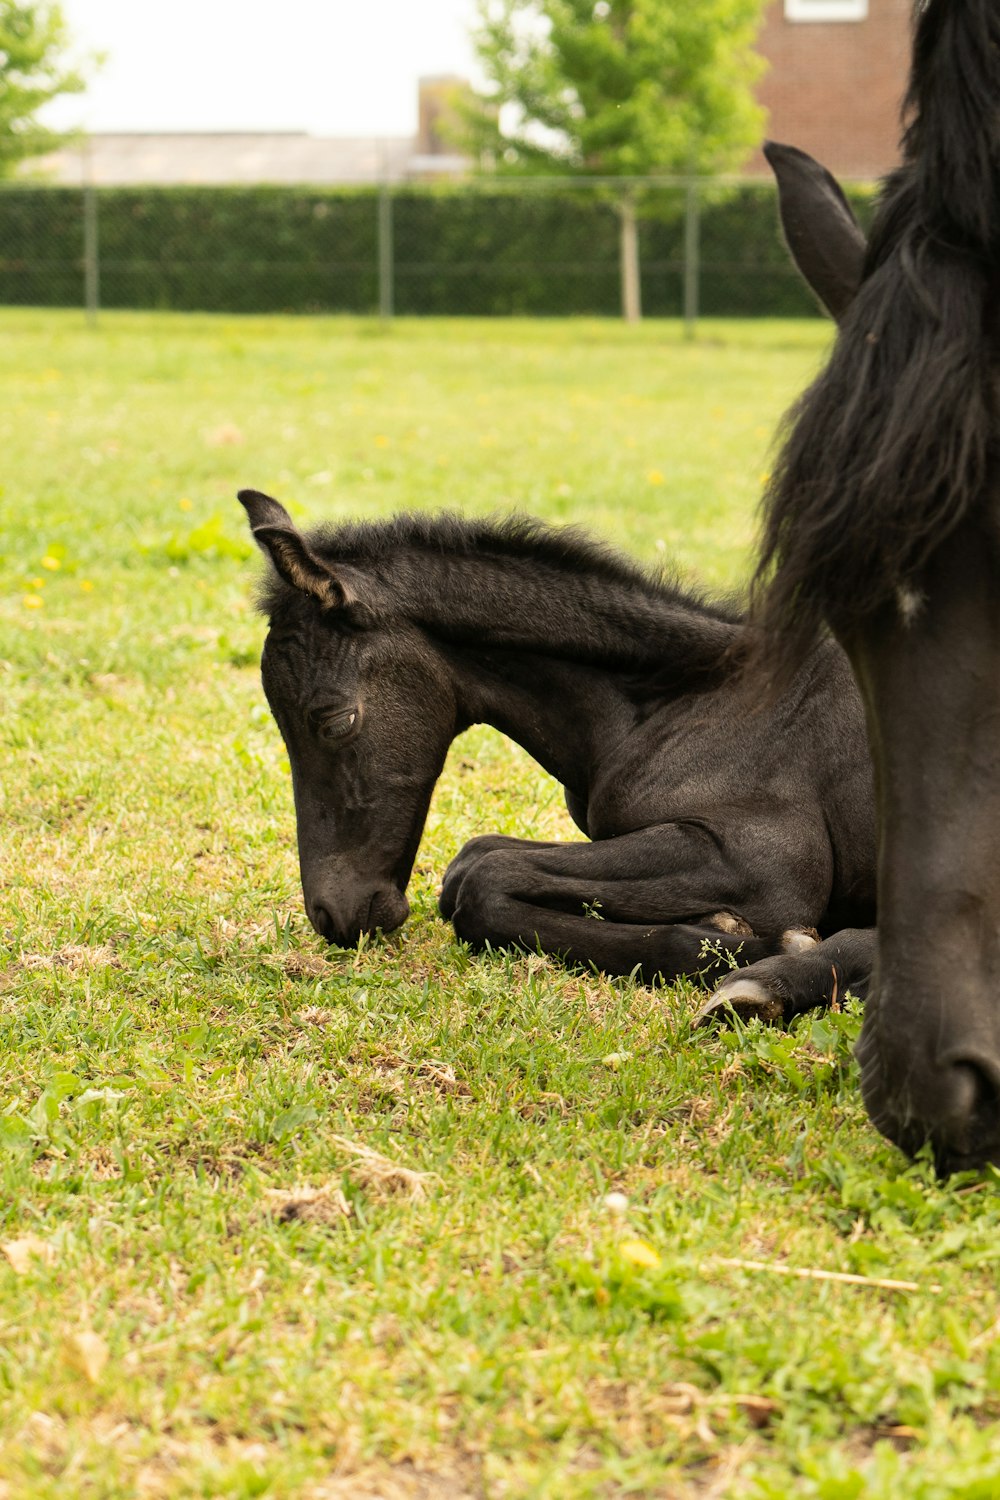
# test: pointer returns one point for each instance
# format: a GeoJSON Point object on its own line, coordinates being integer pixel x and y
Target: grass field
{"type": "Point", "coordinates": [287, 1221]}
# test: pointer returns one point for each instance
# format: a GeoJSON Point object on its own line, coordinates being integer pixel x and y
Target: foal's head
{"type": "Point", "coordinates": [367, 713]}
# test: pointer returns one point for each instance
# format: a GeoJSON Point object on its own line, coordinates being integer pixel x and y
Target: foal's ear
{"type": "Point", "coordinates": [275, 533]}
{"type": "Point", "coordinates": [824, 237]}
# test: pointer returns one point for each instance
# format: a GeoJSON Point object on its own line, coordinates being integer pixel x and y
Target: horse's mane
{"type": "Point", "coordinates": [896, 440]}
{"type": "Point", "coordinates": [519, 540]}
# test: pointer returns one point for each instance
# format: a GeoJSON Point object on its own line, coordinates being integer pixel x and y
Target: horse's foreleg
{"type": "Point", "coordinates": [467, 858]}
{"type": "Point", "coordinates": [663, 902]}
{"type": "Point", "coordinates": [785, 985]}
{"type": "Point", "coordinates": [658, 953]}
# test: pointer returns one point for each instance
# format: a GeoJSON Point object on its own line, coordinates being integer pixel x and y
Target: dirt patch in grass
{"type": "Point", "coordinates": [73, 956]}
{"type": "Point", "coordinates": [439, 1076]}
{"type": "Point", "coordinates": [380, 1176]}
{"type": "Point", "coordinates": [650, 1417]}
{"type": "Point", "coordinates": [312, 1205]}
{"type": "Point", "coordinates": [314, 1015]}
{"type": "Point", "coordinates": [404, 1482]}
{"type": "Point", "coordinates": [101, 1164]}
{"type": "Point", "coordinates": [295, 965]}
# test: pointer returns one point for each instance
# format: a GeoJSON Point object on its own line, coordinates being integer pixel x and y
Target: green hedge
{"type": "Point", "coordinates": [456, 251]}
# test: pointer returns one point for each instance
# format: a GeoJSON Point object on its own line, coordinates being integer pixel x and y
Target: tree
{"type": "Point", "coordinates": [617, 88]}
{"type": "Point", "coordinates": [33, 70]}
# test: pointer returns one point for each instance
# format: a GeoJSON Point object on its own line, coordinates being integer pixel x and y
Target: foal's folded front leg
{"type": "Point", "coordinates": [664, 902]}
{"type": "Point", "coordinates": [469, 856]}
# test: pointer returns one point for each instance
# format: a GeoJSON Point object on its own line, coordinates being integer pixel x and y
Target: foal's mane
{"type": "Point", "coordinates": [520, 542]}
{"type": "Point", "coordinates": [895, 442]}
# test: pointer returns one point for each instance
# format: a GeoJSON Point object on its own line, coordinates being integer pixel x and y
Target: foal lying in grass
{"type": "Point", "coordinates": [718, 831]}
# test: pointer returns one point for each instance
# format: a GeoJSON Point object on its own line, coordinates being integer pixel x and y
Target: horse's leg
{"type": "Point", "coordinates": [657, 953]}
{"type": "Point", "coordinates": [663, 902]}
{"type": "Point", "coordinates": [467, 857]}
{"type": "Point", "coordinates": [812, 975]}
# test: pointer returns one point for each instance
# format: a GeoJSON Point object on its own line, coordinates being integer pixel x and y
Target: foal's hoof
{"type": "Point", "coordinates": [725, 921]}
{"type": "Point", "coordinates": [746, 998]}
{"type": "Point", "coordinates": [799, 939]}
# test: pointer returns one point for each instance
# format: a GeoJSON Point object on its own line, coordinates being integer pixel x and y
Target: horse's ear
{"type": "Point", "coordinates": [275, 533]}
{"type": "Point", "coordinates": [824, 237]}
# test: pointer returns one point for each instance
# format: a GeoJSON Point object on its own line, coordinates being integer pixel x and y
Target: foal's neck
{"type": "Point", "coordinates": [559, 653]}
{"type": "Point", "coordinates": [565, 714]}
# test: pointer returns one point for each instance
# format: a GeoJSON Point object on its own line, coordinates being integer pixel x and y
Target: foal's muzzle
{"type": "Point", "coordinates": [343, 920]}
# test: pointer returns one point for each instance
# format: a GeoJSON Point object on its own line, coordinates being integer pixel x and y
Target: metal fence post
{"type": "Point", "coordinates": [628, 254]}
{"type": "Point", "coordinates": [91, 261]}
{"type": "Point", "coordinates": [692, 259]}
{"type": "Point", "coordinates": [386, 276]}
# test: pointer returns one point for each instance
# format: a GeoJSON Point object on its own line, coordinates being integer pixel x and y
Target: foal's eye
{"type": "Point", "coordinates": [338, 726]}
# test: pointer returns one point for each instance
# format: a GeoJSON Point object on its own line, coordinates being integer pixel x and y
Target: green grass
{"type": "Point", "coordinates": [182, 1060]}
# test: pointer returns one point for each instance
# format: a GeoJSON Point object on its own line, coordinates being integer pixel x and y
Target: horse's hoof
{"type": "Point", "coordinates": [799, 939]}
{"type": "Point", "coordinates": [745, 998]}
{"type": "Point", "coordinates": [725, 921]}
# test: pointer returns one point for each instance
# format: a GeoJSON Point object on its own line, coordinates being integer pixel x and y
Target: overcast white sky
{"type": "Point", "coordinates": [333, 67]}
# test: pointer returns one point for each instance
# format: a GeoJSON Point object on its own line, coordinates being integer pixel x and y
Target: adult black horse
{"type": "Point", "coordinates": [883, 521]}
{"type": "Point", "coordinates": [720, 829]}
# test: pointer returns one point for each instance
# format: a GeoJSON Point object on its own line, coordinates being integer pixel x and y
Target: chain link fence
{"type": "Point", "coordinates": [544, 247]}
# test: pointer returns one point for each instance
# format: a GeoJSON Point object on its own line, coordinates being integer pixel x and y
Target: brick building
{"type": "Point", "coordinates": [837, 71]}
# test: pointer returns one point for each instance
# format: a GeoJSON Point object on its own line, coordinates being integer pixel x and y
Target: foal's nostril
{"type": "Point", "coordinates": [323, 922]}
{"type": "Point", "coordinates": [389, 909]}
